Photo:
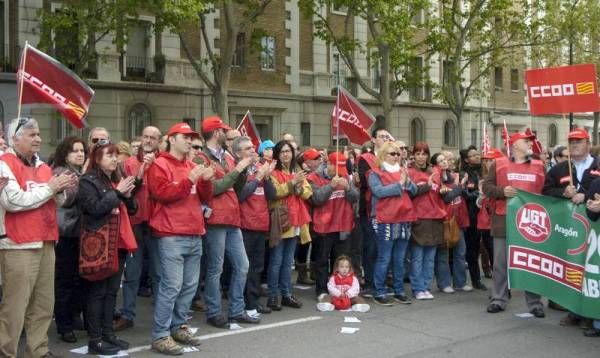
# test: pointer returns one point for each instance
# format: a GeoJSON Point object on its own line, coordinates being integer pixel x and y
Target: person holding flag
{"type": "Point", "coordinates": [507, 175]}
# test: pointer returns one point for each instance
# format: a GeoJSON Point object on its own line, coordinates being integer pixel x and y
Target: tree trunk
{"type": "Point", "coordinates": [459, 126]}
{"type": "Point", "coordinates": [220, 103]}
{"type": "Point", "coordinates": [595, 130]}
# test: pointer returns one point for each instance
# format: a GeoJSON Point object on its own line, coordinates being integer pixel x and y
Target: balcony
{"type": "Point", "coordinates": [142, 69]}
{"type": "Point", "coordinates": [9, 58]}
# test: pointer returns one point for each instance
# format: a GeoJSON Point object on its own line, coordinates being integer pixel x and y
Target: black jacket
{"type": "Point", "coordinates": [97, 199]}
{"type": "Point", "coordinates": [554, 187]}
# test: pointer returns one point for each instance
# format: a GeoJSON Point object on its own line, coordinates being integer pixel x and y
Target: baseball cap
{"type": "Point", "coordinates": [182, 128]}
{"type": "Point", "coordinates": [492, 153]}
{"type": "Point", "coordinates": [212, 123]}
{"type": "Point", "coordinates": [519, 135]}
{"type": "Point", "coordinates": [311, 154]}
{"type": "Point", "coordinates": [340, 160]}
{"type": "Point", "coordinates": [578, 133]}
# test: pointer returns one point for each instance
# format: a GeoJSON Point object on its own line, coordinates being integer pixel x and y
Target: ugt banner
{"type": "Point", "coordinates": [553, 250]}
{"type": "Point", "coordinates": [565, 89]}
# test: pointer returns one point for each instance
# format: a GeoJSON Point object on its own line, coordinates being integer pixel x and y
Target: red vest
{"type": "Point", "coordinates": [371, 160]}
{"type": "Point", "coordinates": [429, 205]}
{"type": "Point", "coordinates": [524, 176]}
{"type": "Point", "coordinates": [180, 217]}
{"type": "Point", "coordinates": [225, 206]}
{"type": "Point", "coordinates": [36, 224]}
{"type": "Point", "coordinates": [132, 166]}
{"type": "Point", "coordinates": [255, 209]}
{"type": "Point", "coordinates": [336, 215]}
{"type": "Point", "coordinates": [297, 209]}
{"type": "Point", "coordinates": [484, 220]}
{"type": "Point", "coordinates": [458, 209]}
{"type": "Point", "coordinates": [393, 209]}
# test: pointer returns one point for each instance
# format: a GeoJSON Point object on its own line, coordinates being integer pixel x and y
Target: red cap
{"type": "Point", "coordinates": [311, 154]}
{"type": "Point", "coordinates": [492, 153]}
{"type": "Point", "coordinates": [578, 133]}
{"type": "Point", "coordinates": [340, 160]}
{"type": "Point", "coordinates": [182, 128]}
{"type": "Point", "coordinates": [519, 135]}
{"type": "Point", "coordinates": [213, 123]}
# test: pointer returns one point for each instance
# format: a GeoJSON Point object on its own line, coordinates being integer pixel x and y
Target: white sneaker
{"type": "Point", "coordinates": [361, 307]}
{"type": "Point", "coordinates": [465, 288]}
{"type": "Point", "coordinates": [321, 297]}
{"type": "Point", "coordinates": [429, 295]}
{"type": "Point", "coordinates": [421, 295]}
{"type": "Point", "coordinates": [325, 307]}
{"type": "Point", "coordinates": [253, 313]}
{"type": "Point", "coordinates": [447, 289]}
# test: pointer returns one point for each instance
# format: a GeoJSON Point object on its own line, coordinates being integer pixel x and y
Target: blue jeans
{"type": "Point", "coordinates": [442, 267]}
{"type": "Point", "coordinates": [389, 250]}
{"type": "Point", "coordinates": [180, 269]}
{"type": "Point", "coordinates": [155, 267]}
{"type": "Point", "coordinates": [421, 268]}
{"type": "Point", "coordinates": [133, 270]}
{"type": "Point", "coordinates": [369, 247]}
{"type": "Point", "coordinates": [221, 241]}
{"type": "Point", "coordinates": [279, 276]}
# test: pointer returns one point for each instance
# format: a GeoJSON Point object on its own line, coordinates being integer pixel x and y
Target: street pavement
{"type": "Point", "coordinates": [451, 325]}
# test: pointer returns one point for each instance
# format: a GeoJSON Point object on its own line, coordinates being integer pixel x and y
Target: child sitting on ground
{"type": "Point", "coordinates": [343, 289]}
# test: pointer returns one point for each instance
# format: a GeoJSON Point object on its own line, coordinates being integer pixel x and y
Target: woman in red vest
{"type": "Point", "coordinates": [102, 195]}
{"type": "Point", "coordinates": [391, 217]}
{"type": "Point", "coordinates": [292, 192]}
{"type": "Point", "coordinates": [428, 231]}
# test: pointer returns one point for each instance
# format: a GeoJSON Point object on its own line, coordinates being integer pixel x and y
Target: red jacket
{"type": "Point", "coordinates": [527, 176]}
{"type": "Point", "coordinates": [132, 166]}
{"type": "Point", "coordinates": [428, 205]}
{"type": "Point", "coordinates": [176, 202]}
{"type": "Point", "coordinates": [336, 215]}
{"type": "Point", "coordinates": [255, 209]}
{"type": "Point", "coordinates": [30, 225]}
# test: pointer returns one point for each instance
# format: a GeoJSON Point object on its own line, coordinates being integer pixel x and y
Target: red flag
{"type": "Point", "coordinates": [354, 119]}
{"type": "Point", "coordinates": [42, 79]}
{"type": "Point", "coordinates": [248, 129]}
{"type": "Point", "coordinates": [536, 145]}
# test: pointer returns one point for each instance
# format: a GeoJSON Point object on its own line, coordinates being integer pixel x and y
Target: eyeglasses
{"type": "Point", "coordinates": [403, 148]}
{"type": "Point", "coordinates": [21, 123]}
{"type": "Point", "coordinates": [394, 154]}
{"type": "Point", "coordinates": [248, 148]}
{"type": "Point", "coordinates": [197, 147]}
{"type": "Point", "coordinates": [101, 142]}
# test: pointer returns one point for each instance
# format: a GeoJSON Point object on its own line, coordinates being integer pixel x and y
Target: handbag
{"type": "Point", "coordinates": [451, 232]}
{"type": "Point", "coordinates": [280, 223]}
{"type": "Point", "coordinates": [98, 251]}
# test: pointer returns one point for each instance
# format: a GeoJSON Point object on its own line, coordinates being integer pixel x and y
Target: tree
{"type": "Point", "coordinates": [473, 37]}
{"type": "Point", "coordinates": [393, 43]}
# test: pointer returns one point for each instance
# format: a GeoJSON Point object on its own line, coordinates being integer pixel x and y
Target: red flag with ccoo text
{"type": "Point", "coordinates": [354, 119]}
{"type": "Point", "coordinates": [248, 129]}
{"type": "Point", "coordinates": [42, 79]}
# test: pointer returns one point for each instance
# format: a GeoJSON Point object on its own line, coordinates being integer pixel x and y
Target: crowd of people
{"type": "Point", "coordinates": [189, 217]}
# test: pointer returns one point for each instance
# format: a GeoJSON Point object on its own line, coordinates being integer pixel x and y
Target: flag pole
{"type": "Point", "coordinates": [569, 158]}
{"type": "Point", "coordinates": [20, 73]}
{"type": "Point", "coordinates": [337, 126]}
{"type": "Point", "coordinates": [507, 139]}
{"type": "Point", "coordinates": [242, 121]}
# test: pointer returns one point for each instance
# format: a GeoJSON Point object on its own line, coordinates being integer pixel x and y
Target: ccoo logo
{"type": "Point", "coordinates": [533, 222]}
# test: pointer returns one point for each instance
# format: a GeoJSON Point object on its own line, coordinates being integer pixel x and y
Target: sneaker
{"type": "Point", "coordinates": [325, 307]}
{"type": "Point", "coordinates": [99, 347]}
{"type": "Point", "coordinates": [262, 309]}
{"type": "Point", "coordinates": [321, 297]}
{"type": "Point", "coordinates": [421, 295]}
{"type": "Point", "coordinates": [465, 288]}
{"type": "Point", "coordinates": [538, 312]}
{"type": "Point", "coordinates": [494, 308]}
{"type": "Point", "coordinates": [383, 300]}
{"type": "Point", "coordinates": [479, 285]}
{"type": "Point", "coordinates": [121, 324]}
{"type": "Point", "coordinates": [116, 341]}
{"type": "Point", "coordinates": [592, 332]}
{"type": "Point", "coordinates": [273, 304]}
{"type": "Point", "coordinates": [244, 318]}
{"type": "Point", "coordinates": [168, 346]}
{"type": "Point", "coordinates": [402, 298]}
{"type": "Point", "coordinates": [361, 307]}
{"type": "Point", "coordinates": [447, 289]}
{"type": "Point", "coordinates": [291, 301]}
{"type": "Point", "coordinates": [218, 321]}
{"type": "Point", "coordinates": [429, 295]}
{"type": "Point", "coordinates": [183, 335]}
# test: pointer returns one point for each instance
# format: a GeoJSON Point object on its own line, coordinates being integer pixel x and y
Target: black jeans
{"type": "Point", "coordinates": [472, 238]}
{"type": "Point", "coordinates": [324, 246]}
{"type": "Point", "coordinates": [101, 302]}
{"type": "Point", "coordinates": [68, 294]}
{"type": "Point", "coordinates": [254, 242]}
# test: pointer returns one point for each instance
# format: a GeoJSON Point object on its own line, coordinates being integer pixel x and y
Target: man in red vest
{"type": "Point", "coordinates": [223, 235]}
{"type": "Point", "coordinates": [27, 236]}
{"type": "Point", "coordinates": [507, 175]}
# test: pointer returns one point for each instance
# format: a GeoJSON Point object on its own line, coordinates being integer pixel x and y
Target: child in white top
{"type": "Point", "coordinates": [343, 289]}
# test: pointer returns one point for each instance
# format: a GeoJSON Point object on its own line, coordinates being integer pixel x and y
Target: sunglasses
{"type": "Point", "coordinates": [101, 142]}
{"type": "Point", "coordinates": [96, 140]}
{"type": "Point", "coordinates": [21, 123]}
{"type": "Point", "coordinates": [197, 147]}
{"type": "Point", "coordinates": [394, 154]}
{"type": "Point", "coordinates": [403, 148]}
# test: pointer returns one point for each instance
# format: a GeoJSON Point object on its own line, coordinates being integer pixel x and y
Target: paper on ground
{"type": "Point", "coordinates": [84, 350]}
{"type": "Point", "coordinates": [524, 315]}
{"type": "Point", "coordinates": [302, 287]}
{"type": "Point", "coordinates": [351, 320]}
{"type": "Point", "coordinates": [349, 330]}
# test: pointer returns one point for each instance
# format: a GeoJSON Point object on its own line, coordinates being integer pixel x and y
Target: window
{"type": "Point", "coordinates": [190, 121]}
{"type": "Point", "coordinates": [416, 131]}
{"type": "Point", "coordinates": [138, 118]}
{"type": "Point", "coordinates": [138, 43]}
{"type": "Point", "coordinates": [514, 80]}
{"type": "Point", "coordinates": [267, 53]}
{"type": "Point", "coordinates": [552, 135]}
{"type": "Point", "coordinates": [338, 68]}
{"type": "Point", "coordinates": [449, 133]}
{"type": "Point", "coordinates": [239, 56]}
{"type": "Point", "coordinates": [498, 78]}
{"type": "Point", "coordinates": [417, 90]}
{"type": "Point", "coordinates": [447, 74]}
{"type": "Point", "coordinates": [418, 18]}
{"type": "Point", "coordinates": [339, 9]}
{"type": "Point", "coordinates": [305, 131]}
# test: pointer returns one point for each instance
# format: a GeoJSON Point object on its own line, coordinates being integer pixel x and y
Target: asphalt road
{"type": "Point", "coordinates": [451, 325]}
